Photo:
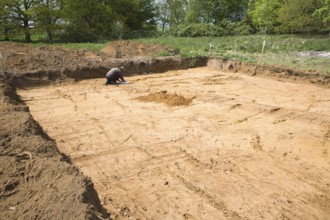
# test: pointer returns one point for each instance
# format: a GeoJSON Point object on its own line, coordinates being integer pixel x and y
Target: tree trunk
{"type": "Point", "coordinates": [6, 32]}
{"type": "Point", "coordinates": [49, 34]}
{"type": "Point", "coordinates": [27, 31]}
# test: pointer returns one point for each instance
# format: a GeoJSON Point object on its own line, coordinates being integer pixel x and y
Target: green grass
{"type": "Point", "coordinates": [250, 44]}
{"type": "Point", "coordinates": [279, 50]}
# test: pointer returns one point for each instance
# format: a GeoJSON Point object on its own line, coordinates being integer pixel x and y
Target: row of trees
{"type": "Point", "coordinates": [275, 16]}
{"type": "Point", "coordinates": [85, 20]}
{"type": "Point", "coordinates": [291, 16]}
{"type": "Point", "coordinates": [75, 20]}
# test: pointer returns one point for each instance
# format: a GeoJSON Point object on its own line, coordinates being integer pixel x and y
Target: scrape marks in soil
{"type": "Point", "coordinates": [242, 148]}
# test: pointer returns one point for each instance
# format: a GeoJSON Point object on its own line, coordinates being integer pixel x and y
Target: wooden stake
{"type": "Point", "coordinates": [262, 52]}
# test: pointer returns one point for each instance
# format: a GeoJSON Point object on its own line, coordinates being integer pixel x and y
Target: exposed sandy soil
{"type": "Point", "coordinates": [234, 147]}
{"type": "Point", "coordinates": [37, 181]}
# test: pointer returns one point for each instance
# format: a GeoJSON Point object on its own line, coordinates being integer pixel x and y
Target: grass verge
{"type": "Point", "coordinates": [281, 50]}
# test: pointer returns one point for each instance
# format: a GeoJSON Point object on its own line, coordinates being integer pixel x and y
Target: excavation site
{"type": "Point", "coordinates": [184, 138]}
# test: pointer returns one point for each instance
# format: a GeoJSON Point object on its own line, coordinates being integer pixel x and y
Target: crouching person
{"type": "Point", "coordinates": [114, 75]}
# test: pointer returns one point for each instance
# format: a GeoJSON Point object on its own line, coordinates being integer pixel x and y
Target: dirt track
{"type": "Point", "coordinates": [245, 147]}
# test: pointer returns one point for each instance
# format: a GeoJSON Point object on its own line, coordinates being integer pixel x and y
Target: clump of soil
{"type": "Point", "coordinates": [126, 49]}
{"type": "Point", "coordinates": [19, 58]}
{"type": "Point", "coordinates": [164, 97]}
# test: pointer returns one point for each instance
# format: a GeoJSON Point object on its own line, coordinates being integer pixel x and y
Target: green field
{"type": "Point", "coordinates": [281, 50]}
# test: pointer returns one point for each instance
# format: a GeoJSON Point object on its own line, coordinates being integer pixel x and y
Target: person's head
{"type": "Point", "coordinates": [122, 68]}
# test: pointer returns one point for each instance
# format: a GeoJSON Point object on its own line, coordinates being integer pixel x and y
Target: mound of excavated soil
{"type": "Point", "coordinates": [46, 63]}
{"type": "Point", "coordinates": [126, 49]}
{"type": "Point", "coordinates": [164, 97]}
{"type": "Point", "coordinates": [22, 58]}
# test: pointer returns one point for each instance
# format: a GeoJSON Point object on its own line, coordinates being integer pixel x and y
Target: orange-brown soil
{"type": "Point", "coordinates": [195, 144]}
{"type": "Point", "coordinates": [227, 141]}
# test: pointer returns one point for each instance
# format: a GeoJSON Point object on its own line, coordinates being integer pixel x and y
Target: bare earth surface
{"type": "Point", "coordinates": [230, 146]}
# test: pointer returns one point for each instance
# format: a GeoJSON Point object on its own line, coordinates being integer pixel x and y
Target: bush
{"type": "Point", "coordinates": [144, 33]}
{"type": "Point", "coordinates": [211, 30]}
{"type": "Point", "coordinates": [118, 29]}
{"type": "Point", "coordinates": [77, 34]}
{"type": "Point", "coordinates": [241, 28]}
{"type": "Point", "coordinates": [197, 30]}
